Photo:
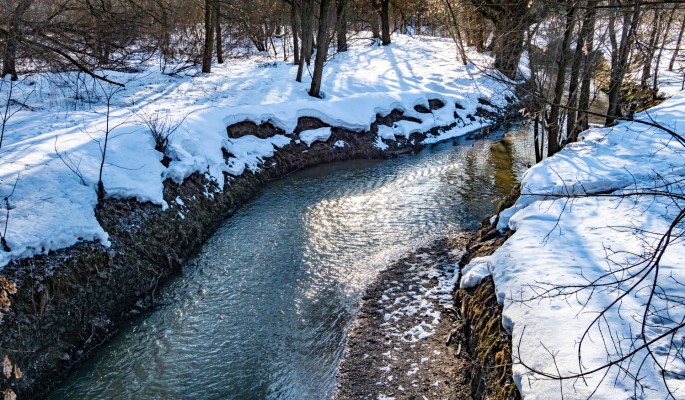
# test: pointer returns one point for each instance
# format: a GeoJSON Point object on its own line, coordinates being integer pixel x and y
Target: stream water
{"type": "Point", "coordinates": [262, 310]}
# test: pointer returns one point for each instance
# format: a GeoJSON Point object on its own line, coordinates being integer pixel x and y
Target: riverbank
{"type": "Point", "coordinates": [599, 221]}
{"type": "Point", "coordinates": [81, 294]}
{"type": "Point", "coordinates": [400, 345]}
{"type": "Point", "coordinates": [461, 350]}
{"type": "Point", "coordinates": [595, 250]}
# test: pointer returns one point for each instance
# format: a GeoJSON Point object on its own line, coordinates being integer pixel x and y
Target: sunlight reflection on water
{"type": "Point", "coordinates": [262, 311]}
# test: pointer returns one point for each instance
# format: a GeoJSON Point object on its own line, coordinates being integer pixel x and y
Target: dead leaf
{"type": "Point", "coordinates": [7, 367]}
{"type": "Point", "coordinates": [9, 395]}
{"type": "Point", "coordinates": [17, 372]}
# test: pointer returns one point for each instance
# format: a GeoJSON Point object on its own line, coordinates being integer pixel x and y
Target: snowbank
{"type": "Point", "coordinates": [474, 272]}
{"type": "Point", "coordinates": [564, 239]}
{"type": "Point", "coordinates": [315, 135]}
{"type": "Point", "coordinates": [52, 150]}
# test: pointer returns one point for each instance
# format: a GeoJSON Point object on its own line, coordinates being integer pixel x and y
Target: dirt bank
{"type": "Point", "coordinates": [71, 301]}
{"type": "Point", "coordinates": [467, 354]}
{"type": "Point", "coordinates": [383, 356]}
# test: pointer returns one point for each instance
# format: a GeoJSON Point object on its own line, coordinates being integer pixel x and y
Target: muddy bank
{"type": "Point", "coordinates": [71, 301]}
{"type": "Point", "coordinates": [383, 355]}
{"type": "Point", "coordinates": [467, 354]}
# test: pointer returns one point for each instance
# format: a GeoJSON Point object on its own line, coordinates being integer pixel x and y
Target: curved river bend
{"type": "Point", "coordinates": [262, 310]}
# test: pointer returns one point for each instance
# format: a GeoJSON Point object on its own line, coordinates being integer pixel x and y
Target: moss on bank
{"type": "Point", "coordinates": [487, 343]}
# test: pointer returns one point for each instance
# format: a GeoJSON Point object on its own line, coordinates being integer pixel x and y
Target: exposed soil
{"type": "Point", "coordinates": [383, 358]}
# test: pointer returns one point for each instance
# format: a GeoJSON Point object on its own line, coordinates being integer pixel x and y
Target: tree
{"type": "Point", "coordinates": [511, 20]}
{"type": "Point", "coordinates": [455, 32]}
{"type": "Point", "coordinates": [575, 122]}
{"type": "Point", "coordinates": [620, 51]}
{"type": "Point", "coordinates": [208, 47]}
{"type": "Point", "coordinates": [677, 45]}
{"type": "Point", "coordinates": [322, 42]}
{"type": "Point", "coordinates": [218, 32]}
{"type": "Point", "coordinates": [11, 35]}
{"type": "Point", "coordinates": [554, 118]}
{"type": "Point", "coordinates": [307, 25]}
{"type": "Point", "coordinates": [385, 22]}
{"type": "Point", "coordinates": [589, 59]}
{"type": "Point", "coordinates": [295, 26]}
{"type": "Point", "coordinates": [341, 11]}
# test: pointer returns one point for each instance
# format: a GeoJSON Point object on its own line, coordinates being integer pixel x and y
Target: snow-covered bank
{"type": "Point", "coordinates": [52, 149]}
{"type": "Point", "coordinates": [565, 239]}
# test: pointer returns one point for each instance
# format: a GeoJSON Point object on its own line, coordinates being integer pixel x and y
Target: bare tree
{"type": "Point", "coordinates": [307, 25]}
{"type": "Point", "coordinates": [554, 119]}
{"type": "Point", "coordinates": [620, 50]}
{"type": "Point", "coordinates": [385, 22]}
{"type": "Point", "coordinates": [677, 45]}
{"type": "Point", "coordinates": [322, 42]}
{"type": "Point", "coordinates": [341, 12]}
{"type": "Point", "coordinates": [208, 48]}
{"type": "Point", "coordinates": [575, 122]}
{"type": "Point", "coordinates": [511, 20]}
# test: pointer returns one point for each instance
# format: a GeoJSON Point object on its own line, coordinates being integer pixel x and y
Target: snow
{"type": "Point", "coordinates": [53, 207]}
{"type": "Point", "coordinates": [564, 239]}
{"type": "Point", "coordinates": [250, 151]}
{"type": "Point", "coordinates": [380, 144]}
{"type": "Point", "coordinates": [474, 272]}
{"type": "Point", "coordinates": [315, 135]}
{"type": "Point", "coordinates": [421, 304]}
{"type": "Point", "coordinates": [386, 132]}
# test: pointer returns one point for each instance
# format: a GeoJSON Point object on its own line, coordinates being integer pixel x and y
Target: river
{"type": "Point", "coordinates": [263, 308]}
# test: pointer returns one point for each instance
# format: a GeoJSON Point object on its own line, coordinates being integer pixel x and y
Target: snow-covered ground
{"type": "Point", "coordinates": [564, 240]}
{"type": "Point", "coordinates": [50, 156]}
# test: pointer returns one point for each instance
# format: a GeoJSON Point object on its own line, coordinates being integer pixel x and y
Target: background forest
{"type": "Point", "coordinates": [567, 42]}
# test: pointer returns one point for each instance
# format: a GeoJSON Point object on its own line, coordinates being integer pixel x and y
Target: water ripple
{"type": "Point", "coordinates": [262, 311]}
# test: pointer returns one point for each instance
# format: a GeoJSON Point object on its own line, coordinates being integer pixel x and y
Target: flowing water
{"type": "Point", "coordinates": [262, 310]}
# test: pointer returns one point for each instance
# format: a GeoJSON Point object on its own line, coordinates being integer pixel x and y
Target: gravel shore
{"type": "Point", "coordinates": [404, 343]}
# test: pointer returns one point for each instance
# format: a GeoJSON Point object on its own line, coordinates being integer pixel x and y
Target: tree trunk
{"type": "Point", "coordinates": [306, 22]}
{"type": "Point", "coordinates": [375, 24]}
{"type": "Point", "coordinates": [669, 23]}
{"type": "Point", "coordinates": [105, 34]}
{"type": "Point", "coordinates": [553, 121]}
{"type": "Point", "coordinates": [294, 23]}
{"type": "Point", "coordinates": [341, 24]}
{"type": "Point", "coordinates": [165, 40]}
{"type": "Point", "coordinates": [588, 70]}
{"type": "Point", "coordinates": [586, 30]}
{"type": "Point", "coordinates": [651, 49]}
{"type": "Point", "coordinates": [9, 59]}
{"type": "Point", "coordinates": [677, 45]}
{"type": "Point", "coordinates": [219, 37]}
{"type": "Point", "coordinates": [539, 147]}
{"type": "Point", "coordinates": [385, 22]}
{"type": "Point", "coordinates": [208, 48]}
{"type": "Point", "coordinates": [321, 48]}
{"type": "Point", "coordinates": [619, 59]}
